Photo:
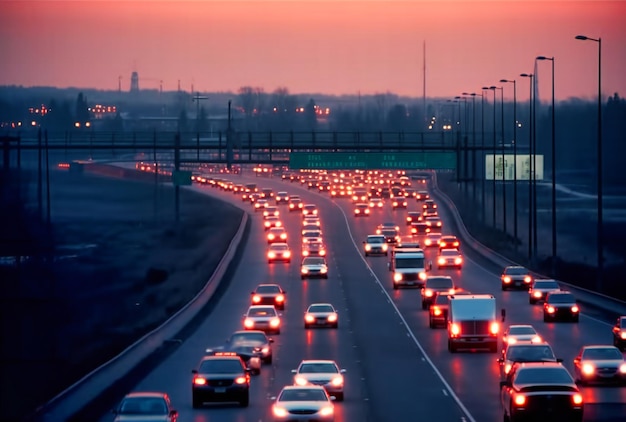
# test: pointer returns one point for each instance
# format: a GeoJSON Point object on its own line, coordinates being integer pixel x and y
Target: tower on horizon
{"type": "Point", "coordinates": [134, 82]}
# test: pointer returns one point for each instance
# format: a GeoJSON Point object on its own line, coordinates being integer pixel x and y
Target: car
{"type": "Point", "coordinates": [375, 244]}
{"type": "Point", "coordinates": [376, 203]}
{"type": "Point", "coordinates": [277, 234]}
{"type": "Point", "coordinates": [449, 258]}
{"type": "Point", "coordinates": [438, 311]}
{"type": "Point", "coordinates": [519, 333]}
{"type": "Point", "coordinates": [429, 204]}
{"type": "Point", "coordinates": [269, 294]}
{"type": "Point", "coordinates": [295, 403]}
{"type": "Point", "coordinates": [267, 193]}
{"type": "Point", "coordinates": [271, 210]}
{"type": "Point", "coordinates": [515, 276]}
{"type": "Point", "coordinates": [430, 212]}
{"type": "Point", "coordinates": [220, 379]}
{"type": "Point", "coordinates": [311, 227]}
{"type": "Point", "coordinates": [247, 344]}
{"type": "Point", "coordinates": [419, 228]}
{"type": "Point", "coordinates": [281, 198]}
{"type": "Point", "coordinates": [422, 195]}
{"type": "Point", "coordinates": [361, 210]}
{"type": "Point", "coordinates": [311, 219]}
{"type": "Point", "coordinates": [325, 373]}
{"type": "Point", "coordinates": [619, 333]}
{"type": "Point", "coordinates": [432, 239]}
{"type": "Point", "coordinates": [540, 391]}
{"type": "Point", "coordinates": [260, 204]}
{"type": "Point", "coordinates": [278, 252]}
{"type": "Point", "coordinates": [313, 267]}
{"type": "Point", "coordinates": [315, 248]}
{"type": "Point", "coordinates": [295, 204]}
{"type": "Point", "coordinates": [309, 209]}
{"type": "Point", "coordinates": [311, 234]}
{"type": "Point", "coordinates": [600, 364]}
{"type": "Point", "coordinates": [539, 288]}
{"type": "Point", "coordinates": [434, 284]}
{"type": "Point", "coordinates": [145, 406]}
{"type": "Point", "coordinates": [391, 236]}
{"type": "Point", "coordinates": [263, 318]}
{"type": "Point", "coordinates": [449, 242]}
{"type": "Point", "coordinates": [413, 216]}
{"type": "Point", "coordinates": [387, 226]}
{"type": "Point", "coordinates": [321, 315]}
{"type": "Point", "coordinates": [271, 221]}
{"type": "Point", "coordinates": [434, 223]}
{"type": "Point", "coordinates": [560, 305]}
{"type": "Point", "coordinates": [524, 352]}
{"type": "Point", "coordinates": [399, 202]}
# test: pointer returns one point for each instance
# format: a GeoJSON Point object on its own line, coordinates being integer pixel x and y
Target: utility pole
{"type": "Point", "coordinates": [197, 98]}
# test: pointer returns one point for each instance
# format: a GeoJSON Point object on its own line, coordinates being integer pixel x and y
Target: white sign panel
{"type": "Point", "coordinates": [507, 167]}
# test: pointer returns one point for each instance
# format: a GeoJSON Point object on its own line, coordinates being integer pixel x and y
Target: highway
{"type": "Point", "coordinates": [398, 369]}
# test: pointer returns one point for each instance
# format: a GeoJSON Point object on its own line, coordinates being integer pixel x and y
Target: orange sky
{"type": "Point", "coordinates": [335, 47]}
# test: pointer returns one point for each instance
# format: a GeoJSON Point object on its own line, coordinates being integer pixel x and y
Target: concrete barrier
{"type": "Point", "coordinates": [585, 296]}
{"type": "Point", "coordinates": [74, 398]}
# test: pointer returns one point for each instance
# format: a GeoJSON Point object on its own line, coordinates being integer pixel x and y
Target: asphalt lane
{"type": "Point", "coordinates": [382, 334]}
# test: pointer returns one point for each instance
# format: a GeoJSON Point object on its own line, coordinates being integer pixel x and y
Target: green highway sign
{"type": "Point", "coordinates": [181, 178]}
{"type": "Point", "coordinates": [435, 160]}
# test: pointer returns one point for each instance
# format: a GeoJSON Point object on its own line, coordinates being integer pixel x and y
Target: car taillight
{"type": "Point", "coordinates": [623, 335]}
{"type": "Point", "coordinates": [519, 400]}
{"type": "Point", "coordinates": [537, 294]}
{"type": "Point", "coordinates": [458, 261]}
{"type": "Point", "coordinates": [199, 381]}
{"type": "Point", "coordinates": [577, 399]}
{"type": "Point", "coordinates": [256, 298]}
{"type": "Point", "coordinates": [248, 323]}
{"type": "Point", "coordinates": [286, 254]}
{"type": "Point", "coordinates": [280, 298]}
{"type": "Point", "coordinates": [275, 322]}
{"type": "Point", "coordinates": [494, 327]}
{"type": "Point", "coordinates": [428, 293]}
{"type": "Point", "coordinates": [550, 309]}
{"type": "Point", "coordinates": [507, 368]}
{"type": "Point", "coordinates": [436, 311]}
{"type": "Point", "coordinates": [422, 276]}
{"type": "Point", "coordinates": [455, 329]}
{"type": "Point", "coordinates": [271, 254]}
{"type": "Point", "coordinates": [397, 277]}
{"type": "Point", "coordinates": [322, 252]}
{"type": "Point", "coordinates": [575, 309]}
{"type": "Point", "coordinates": [527, 279]}
{"type": "Point", "coordinates": [441, 261]}
{"type": "Point", "coordinates": [337, 381]}
{"type": "Point", "coordinates": [507, 279]}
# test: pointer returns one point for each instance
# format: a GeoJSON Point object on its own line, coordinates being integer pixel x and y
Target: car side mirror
{"type": "Point", "coordinates": [503, 314]}
{"type": "Point", "coordinates": [343, 371]}
{"type": "Point", "coordinates": [271, 340]}
{"type": "Point", "coordinates": [293, 371]}
{"type": "Point", "coordinates": [559, 360]}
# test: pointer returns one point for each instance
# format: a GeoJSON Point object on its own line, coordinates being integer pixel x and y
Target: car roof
{"type": "Point", "coordinates": [146, 394]}
{"type": "Point", "coordinates": [268, 285]}
{"type": "Point", "coordinates": [318, 361]}
{"type": "Point", "coordinates": [321, 304]}
{"type": "Point", "coordinates": [261, 307]}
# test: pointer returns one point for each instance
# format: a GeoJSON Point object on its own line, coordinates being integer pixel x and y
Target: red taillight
{"type": "Point", "coordinates": [494, 327]}
{"type": "Point", "coordinates": [280, 298]}
{"type": "Point", "coordinates": [550, 309]}
{"type": "Point", "coordinates": [256, 298]}
{"type": "Point", "coordinates": [199, 381]}
{"type": "Point", "coordinates": [519, 400]}
{"type": "Point", "coordinates": [575, 308]}
{"type": "Point", "coordinates": [455, 329]}
{"type": "Point", "coordinates": [436, 310]}
{"type": "Point", "coordinates": [577, 399]}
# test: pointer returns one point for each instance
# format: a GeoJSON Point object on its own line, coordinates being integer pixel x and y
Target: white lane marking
{"type": "Point", "coordinates": [410, 333]}
{"type": "Point", "coordinates": [445, 393]}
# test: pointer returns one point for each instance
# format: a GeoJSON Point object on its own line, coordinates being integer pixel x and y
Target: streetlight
{"type": "Point", "coordinates": [464, 136]}
{"type": "Point", "coordinates": [553, 163]}
{"type": "Point", "coordinates": [530, 165]}
{"type": "Point", "coordinates": [514, 156]}
{"type": "Point", "coordinates": [493, 88]}
{"type": "Point", "coordinates": [197, 98]}
{"type": "Point", "coordinates": [482, 149]}
{"type": "Point", "coordinates": [599, 177]}
{"type": "Point", "coordinates": [473, 95]}
{"type": "Point", "coordinates": [503, 161]}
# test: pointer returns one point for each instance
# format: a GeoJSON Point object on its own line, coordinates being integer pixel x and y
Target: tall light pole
{"type": "Point", "coordinates": [473, 95]}
{"type": "Point", "coordinates": [482, 149]}
{"type": "Point", "coordinates": [503, 161]}
{"type": "Point", "coordinates": [493, 88]}
{"type": "Point", "coordinates": [197, 98]}
{"type": "Point", "coordinates": [600, 239]}
{"type": "Point", "coordinates": [464, 136]}
{"type": "Point", "coordinates": [514, 156]}
{"type": "Point", "coordinates": [530, 165]}
{"type": "Point", "coordinates": [553, 164]}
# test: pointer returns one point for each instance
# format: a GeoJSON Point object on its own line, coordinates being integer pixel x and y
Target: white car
{"type": "Point", "coordinates": [375, 244]}
{"type": "Point", "coordinates": [312, 267]}
{"type": "Point", "coordinates": [321, 315]}
{"type": "Point", "coordinates": [262, 318]}
{"type": "Point", "coordinates": [520, 333]}
{"type": "Point", "coordinates": [140, 405]}
{"type": "Point", "coordinates": [295, 403]}
{"type": "Point", "coordinates": [325, 373]}
{"type": "Point", "coordinates": [599, 363]}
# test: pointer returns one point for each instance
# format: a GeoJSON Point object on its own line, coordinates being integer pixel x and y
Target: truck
{"type": "Point", "coordinates": [472, 322]}
{"type": "Point", "coordinates": [408, 267]}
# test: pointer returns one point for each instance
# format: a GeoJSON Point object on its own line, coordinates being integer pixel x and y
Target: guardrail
{"type": "Point", "coordinates": [586, 296]}
{"type": "Point", "coordinates": [74, 398]}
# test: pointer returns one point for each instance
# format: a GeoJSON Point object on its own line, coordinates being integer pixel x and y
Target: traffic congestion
{"type": "Point", "coordinates": [360, 286]}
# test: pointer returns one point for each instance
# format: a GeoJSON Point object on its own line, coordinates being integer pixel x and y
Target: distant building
{"type": "Point", "coordinates": [134, 82]}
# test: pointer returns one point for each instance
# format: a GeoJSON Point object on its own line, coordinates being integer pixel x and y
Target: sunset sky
{"type": "Point", "coordinates": [330, 47]}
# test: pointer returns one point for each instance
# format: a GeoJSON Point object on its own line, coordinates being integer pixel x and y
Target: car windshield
{"type": "Point", "coordinates": [321, 308]}
{"type": "Point", "coordinates": [552, 375]}
{"type": "Point", "coordinates": [521, 330]}
{"type": "Point", "coordinates": [441, 300]}
{"type": "Point", "coordinates": [530, 353]}
{"type": "Point", "coordinates": [248, 337]}
{"type": "Point", "coordinates": [262, 312]}
{"type": "Point", "coordinates": [220, 366]}
{"type": "Point", "coordinates": [439, 282]}
{"type": "Point", "coordinates": [302, 394]}
{"type": "Point", "coordinates": [268, 289]}
{"type": "Point", "coordinates": [388, 232]}
{"type": "Point", "coordinates": [608, 353]}
{"type": "Point", "coordinates": [317, 368]}
{"type": "Point", "coordinates": [410, 263]}
{"type": "Point", "coordinates": [561, 298]}
{"type": "Point", "coordinates": [375, 239]}
{"type": "Point", "coordinates": [515, 271]}
{"type": "Point", "coordinates": [279, 247]}
{"type": "Point", "coordinates": [546, 285]}
{"type": "Point", "coordinates": [312, 234]}
{"type": "Point", "coordinates": [313, 261]}
{"type": "Point", "coordinates": [449, 253]}
{"type": "Point", "coordinates": [143, 406]}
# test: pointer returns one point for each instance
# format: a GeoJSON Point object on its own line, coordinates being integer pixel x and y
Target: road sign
{"type": "Point", "coordinates": [181, 178]}
{"type": "Point", "coordinates": [436, 160]}
{"type": "Point", "coordinates": [522, 167]}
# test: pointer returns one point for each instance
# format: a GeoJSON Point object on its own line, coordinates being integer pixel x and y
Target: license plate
{"type": "Point", "coordinates": [410, 283]}
{"type": "Point", "coordinates": [220, 390]}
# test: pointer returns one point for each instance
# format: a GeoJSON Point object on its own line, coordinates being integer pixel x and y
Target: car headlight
{"type": "Point", "coordinates": [326, 411]}
{"type": "Point", "coordinates": [507, 279]}
{"type": "Point", "coordinates": [324, 270]}
{"type": "Point", "coordinates": [332, 317]}
{"type": "Point", "coordinates": [458, 261]}
{"type": "Point", "coordinates": [441, 261]}
{"type": "Point", "coordinates": [368, 247]}
{"type": "Point", "coordinates": [622, 368]}
{"type": "Point", "coordinates": [385, 246]}
{"type": "Point", "coordinates": [240, 380]}
{"type": "Point", "coordinates": [300, 381]}
{"type": "Point", "coordinates": [274, 322]}
{"type": "Point", "coordinates": [248, 323]}
{"type": "Point", "coordinates": [575, 309]}
{"type": "Point", "coordinates": [309, 318]}
{"type": "Point", "coordinates": [588, 369]}
{"type": "Point", "coordinates": [397, 277]}
{"type": "Point", "coordinates": [279, 412]}
{"type": "Point", "coordinates": [428, 293]}
{"type": "Point", "coordinates": [265, 350]}
{"type": "Point", "coordinates": [304, 270]}
{"type": "Point", "coordinates": [337, 381]}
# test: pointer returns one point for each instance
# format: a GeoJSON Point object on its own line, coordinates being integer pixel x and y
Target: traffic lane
{"type": "Point", "coordinates": [173, 375]}
{"type": "Point", "coordinates": [461, 370]}
{"type": "Point", "coordinates": [391, 360]}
